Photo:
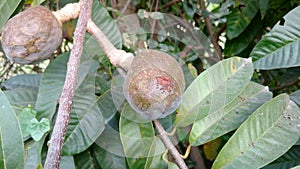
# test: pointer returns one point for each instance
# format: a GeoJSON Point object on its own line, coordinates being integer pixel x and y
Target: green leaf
{"type": "Point", "coordinates": [139, 141]}
{"type": "Point", "coordinates": [25, 116]}
{"type": "Point", "coordinates": [85, 160]}
{"type": "Point", "coordinates": [34, 152]}
{"type": "Point", "coordinates": [263, 7]}
{"type": "Point", "coordinates": [12, 149]}
{"type": "Point", "coordinates": [262, 138]}
{"type": "Point", "coordinates": [23, 81]}
{"type": "Point", "coordinates": [239, 19]}
{"type": "Point", "coordinates": [67, 162]}
{"type": "Point", "coordinates": [107, 25]}
{"type": "Point", "coordinates": [86, 120]}
{"type": "Point", "coordinates": [231, 116]}
{"type": "Point", "coordinates": [21, 97]}
{"type": "Point", "coordinates": [50, 88]}
{"type": "Point", "coordinates": [280, 47]}
{"type": "Point", "coordinates": [288, 160]}
{"type": "Point", "coordinates": [295, 97]}
{"type": "Point", "coordinates": [235, 46]}
{"type": "Point", "coordinates": [107, 106]}
{"type": "Point", "coordinates": [2, 161]}
{"type": "Point", "coordinates": [7, 7]}
{"type": "Point", "coordinates": [38, 128]}
{"type": "Point", "coordinates": [108, 160]}
{"type": "Point", "coordinates": [37, 2]}
{"type": "Point", "coordinates": [172, 166]}
{"type": "Point", "coordinates": [214, 88]}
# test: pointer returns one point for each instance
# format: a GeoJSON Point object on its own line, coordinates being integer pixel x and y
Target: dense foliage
{"type": "Point", "coordinates": [240, 108]}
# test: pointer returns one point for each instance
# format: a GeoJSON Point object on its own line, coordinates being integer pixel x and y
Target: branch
{"type": "Point", "coordinates": [65, 102]}
{"type": "Point", "coordinates": [209, 26]}
{"type": "Point", "coordinates": [168, 143]}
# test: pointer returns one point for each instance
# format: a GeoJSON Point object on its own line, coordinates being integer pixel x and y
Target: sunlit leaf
{"type": "Point", "coordinates": [214, 88]}
{"type": "Point", "coordinates": [231, 116]}
{"type": "Point", "coordinates": [280, 47]}
{"type": "Point", "coordinates": [262, 138]}
{"type": "Point", "coordinates": [38, 128]}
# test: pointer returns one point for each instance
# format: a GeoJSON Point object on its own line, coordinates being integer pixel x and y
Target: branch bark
{"type": "Point", "coordinates": [65, 102]}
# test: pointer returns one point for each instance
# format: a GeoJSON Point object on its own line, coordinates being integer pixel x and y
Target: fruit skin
{"type": "Point", "coordinates": [31, 36]}
{"type": "Point", "coordinates": [154, 84]}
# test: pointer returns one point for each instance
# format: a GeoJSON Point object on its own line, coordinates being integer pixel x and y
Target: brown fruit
{"type": "Point", "coordinates": [31, 36]}
{"type": "Point", "coordinates": [154, 84]}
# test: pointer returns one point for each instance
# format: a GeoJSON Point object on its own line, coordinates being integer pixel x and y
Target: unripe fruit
{"type": "Point", "coordinates": [154, 84]}
{"type": "Point", "coordinates": [31, 36]}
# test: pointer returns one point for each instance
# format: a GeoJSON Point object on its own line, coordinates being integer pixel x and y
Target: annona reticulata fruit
{"type": "Point", "coordinates": [31, 36]}
{"type": "Point", "coordinates": [154, 84]}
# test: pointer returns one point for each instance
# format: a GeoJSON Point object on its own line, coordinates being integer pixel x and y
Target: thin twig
{"type": "Point", "coordinates": [210, 31]}
{"type": "Point", "coordinates": [169, 4]}
{"type": "Point", "coordinates": [292, 83]}
{"type": "Point", "coordinates": [65, 102]}
{"type": "Point", "coordinates": [170, 146]}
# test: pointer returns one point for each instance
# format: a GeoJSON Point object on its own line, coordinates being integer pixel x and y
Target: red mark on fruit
{"type": "Point", "coordinates": [165, 82]}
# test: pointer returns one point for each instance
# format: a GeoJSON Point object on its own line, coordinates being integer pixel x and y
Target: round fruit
{"type": "Point", "coordinates": [31, 36]}
{"type": "Point", "coordinates": [154, 84]}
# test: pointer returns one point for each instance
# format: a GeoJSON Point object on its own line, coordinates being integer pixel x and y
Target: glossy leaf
{"type": "Point", "coordinates": [239, 19]}
{"type": "Point", "coordinates": [86, 120]}
{"type": "Point", "coordinates": [280, 47]}
{"type": "Point", "coordinates": [139, 141]}
{"type": "Point", "coordinates": [231, 116]}
{"type": "Point", "coordinates": [12, 156]}
{"type": "Point", "coordinates": [23, 81]}
{"type": "Point", "coordinates": [288, 160]}
{"type": "Point", "coordinates": [214, 88]}
{"type": "Point", "coordinates": [262, 138]}
{"type": "Point", "coordinates": [7, 7]}
{"type": "Point", "coordinates": [67, 162]}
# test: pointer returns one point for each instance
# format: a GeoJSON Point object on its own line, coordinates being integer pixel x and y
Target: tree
{"type": "Point", "coordinates": [240, 107]}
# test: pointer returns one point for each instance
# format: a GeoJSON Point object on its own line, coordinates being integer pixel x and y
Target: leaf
{"type": "Point", "coordinates": [2, 161]}
{"type": "Point", "coordinates": [21, 97]}
{"type": "Point", "coordinates": [12, 149]}
{"type": "Point", "coordinates": [239, 19]}
{"type": "Point", "coordinates": [7, 7]}
{"type": "Point", "coordinates": [86, 120]}
{"type": "Point", "coordinates": [67, 162]}
{"type": "Point", "coordinates": [235, 46]}
{"type": "Point", "coordinates": [138, 139]}
{"type": "Point", "coordinates": [279, 48]}
{"type": "Point", "coordinates": [34, 153]}
{"type": "Point", "coordinates": [230, 116]}
{"type": "Point", "coordinates": [23, 81]}
{"type": "Point", "coordinates": [287, 160]}
{"type": "Point", "coordinates": [25, 116]}
{"type": "Point", "coordinates": [107, 25]}
{"type": "Point", "coordinates": [38, 128]}
{"type": "Point", "coordinates": [211, 148]}
{"type": "Point", "coordinates": [262, 138]}
{"type": "Point", "coordinates": [85, 160]}
{"type": "Point", "coordinates": [295, 97]}
{"type": "Point", "coordinates": [50, 88]}
{"type": "Point", "coordinates": [106, 106]}
{"type": "Point", "coordinates": [214, 87]}
{"type": "Point", "coordinates": [108, 160]}
{"type": "Point", "coordinates": [263, 7]}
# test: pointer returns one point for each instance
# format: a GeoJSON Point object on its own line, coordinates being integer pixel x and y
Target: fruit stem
{"type": "Point", "coordinates": [170, 146]}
